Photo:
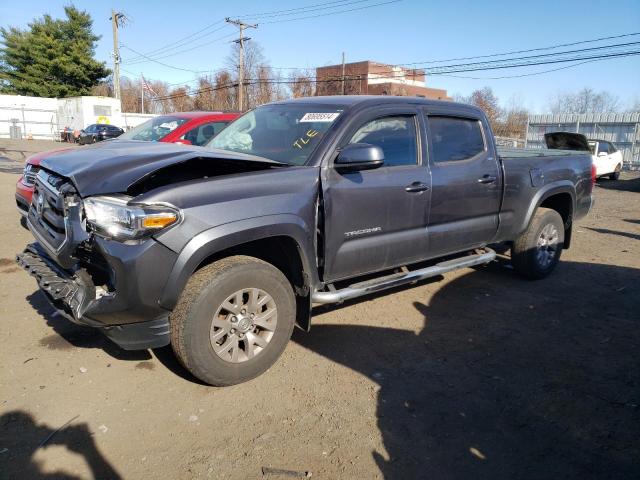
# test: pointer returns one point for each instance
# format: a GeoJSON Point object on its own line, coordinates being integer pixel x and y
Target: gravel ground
{"type": "Point", "coordinates": [478, 374]}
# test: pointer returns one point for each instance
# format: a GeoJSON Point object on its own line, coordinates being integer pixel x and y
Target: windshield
{"type": "Point", "coordinates": [285, 133]}
{"type": "Point", "coordinates": [155, 129]}
{"type": "Point", "coordinates": [592, 147]}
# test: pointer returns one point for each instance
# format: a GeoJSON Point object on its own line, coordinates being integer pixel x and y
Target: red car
{"type": "Point", "coordinates": [189, 128]}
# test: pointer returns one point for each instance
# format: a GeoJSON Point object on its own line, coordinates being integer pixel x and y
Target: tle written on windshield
{"type": "Point", "coordinates": [281, 133]}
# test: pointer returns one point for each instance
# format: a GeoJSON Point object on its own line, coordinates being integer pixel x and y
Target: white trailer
{"type": "Point", "coordinates": [78, 113]}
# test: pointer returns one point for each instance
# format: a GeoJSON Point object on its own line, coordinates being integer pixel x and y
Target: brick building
{"type": "Point", "coordinates": [372, 78]}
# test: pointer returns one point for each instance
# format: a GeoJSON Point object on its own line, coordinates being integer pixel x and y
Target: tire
{"type": "Point", "coordinates": [195, 331]}
{"type": "Point", "coordinates": [536, 252]}
{"type": "Point", "coordinates": [615, 175]}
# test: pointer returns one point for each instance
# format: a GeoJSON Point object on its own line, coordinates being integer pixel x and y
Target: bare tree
{"type": "Point", "coordinates": [513, 121]}
{"type": "Point", "coordinates": [204, 98]}
{"type": "Point", "coordinates": [509, 121]}
{"type": "Point", "coordinates": [153, 100]}
{"type": "Point", "coordinates": [487, 101]}
{"type": "Point", "coordinates": [180, 100]}
{"type": "Point", "coordinates": [585, 101]}
{"type": "Point", "coordinates": [130, 95]}
{"type": "Point", "coordinates": [224, 93]}
{"type": "Point", "coordinates": [103, 89]}
{"type": "Point", "coordinates": [301, 84]}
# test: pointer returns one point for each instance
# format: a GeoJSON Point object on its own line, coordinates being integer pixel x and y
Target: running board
{"type": "Point", "coordinates": [397, 279]}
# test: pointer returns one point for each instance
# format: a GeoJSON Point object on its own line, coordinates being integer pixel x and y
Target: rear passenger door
{"type": "Point", "coordinates": [466, 181]}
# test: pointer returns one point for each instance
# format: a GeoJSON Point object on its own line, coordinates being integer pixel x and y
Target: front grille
{"type": "Point", "coordinates": [47, 209]}
{"type": "Point", "coordinates": [29, 174]}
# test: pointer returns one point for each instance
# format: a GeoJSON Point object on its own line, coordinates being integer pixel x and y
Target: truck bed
{"type": "Point", "coordinates": [506, 152]}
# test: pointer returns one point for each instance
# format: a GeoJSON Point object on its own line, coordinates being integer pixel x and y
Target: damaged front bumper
{"type": "Point", "coordinates": [131, 322]}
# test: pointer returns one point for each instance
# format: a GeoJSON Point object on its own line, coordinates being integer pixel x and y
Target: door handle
{"type": "Point", "coordinates": [416, 187]}
{"type": "Point", "coordinates": [487, 179]}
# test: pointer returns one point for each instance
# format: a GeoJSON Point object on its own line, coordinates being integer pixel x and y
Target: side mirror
{"type": "Point", "coordinates": [183, 141]}
{"type": "Point", "coordinates": [359, 156]}
{"type": "Point", "coordinates": [602, 154]}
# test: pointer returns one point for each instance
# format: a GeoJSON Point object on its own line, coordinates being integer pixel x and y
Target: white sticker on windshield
{"type": "Point", "coordinates": [319, 117]}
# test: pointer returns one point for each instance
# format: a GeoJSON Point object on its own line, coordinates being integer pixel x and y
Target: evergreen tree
{"type": "Point", "coordinates": [52, 58]}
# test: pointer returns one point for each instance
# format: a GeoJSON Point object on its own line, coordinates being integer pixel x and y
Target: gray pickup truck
{"type": "Point", "coordinates": [221, 250]}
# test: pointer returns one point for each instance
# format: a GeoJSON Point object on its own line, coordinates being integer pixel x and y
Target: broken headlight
{"type": "Point", "coordinates": [113, 217]}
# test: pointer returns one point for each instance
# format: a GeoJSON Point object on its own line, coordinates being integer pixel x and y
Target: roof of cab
{"type": "Point", "coordinates": [364, 100]}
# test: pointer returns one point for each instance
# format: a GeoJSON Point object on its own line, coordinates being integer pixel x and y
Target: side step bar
{"type": "Point", "coordinates": [397, 279]}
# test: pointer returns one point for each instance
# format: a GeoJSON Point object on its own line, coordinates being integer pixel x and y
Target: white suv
{"type": "Point", "coordinates": [607, 158]}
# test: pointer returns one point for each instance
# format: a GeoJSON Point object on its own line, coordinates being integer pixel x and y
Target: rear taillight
{"type": "Point", "coordinates": [593, 175]}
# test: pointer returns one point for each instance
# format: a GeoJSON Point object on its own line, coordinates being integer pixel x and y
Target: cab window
{"type": "Point", "coordinates": [395, 135]}
{"type": "Point", "coordinates": [455, 139]}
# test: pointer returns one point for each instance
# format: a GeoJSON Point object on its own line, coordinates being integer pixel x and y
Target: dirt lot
{"type": "Point", "coordinates": [475, 375]}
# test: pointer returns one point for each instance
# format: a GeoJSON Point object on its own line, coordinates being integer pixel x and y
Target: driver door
{"type": "Point", "coordinates": [376, 219]}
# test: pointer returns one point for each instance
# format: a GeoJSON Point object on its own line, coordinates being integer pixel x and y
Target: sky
{"type": "Point", "coordinates": [401, 32]}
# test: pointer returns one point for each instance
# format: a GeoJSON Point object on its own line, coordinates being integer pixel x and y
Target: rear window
{"type": "Point", "coordinates": [455, 139]}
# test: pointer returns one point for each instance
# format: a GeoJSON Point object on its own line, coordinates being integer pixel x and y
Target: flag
{"type": "Point", "coordinates": [146, 86]}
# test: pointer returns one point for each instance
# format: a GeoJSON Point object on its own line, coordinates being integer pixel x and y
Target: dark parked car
{"type": "Point", "coordinates": [98, 132]}
{"type": "Point", "coordinates": [220, 250]}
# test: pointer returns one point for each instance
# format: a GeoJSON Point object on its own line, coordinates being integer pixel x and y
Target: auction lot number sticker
{"type": "Point", "coordinates": [319, 117]}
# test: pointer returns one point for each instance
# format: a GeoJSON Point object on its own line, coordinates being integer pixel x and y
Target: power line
{"type": "Point", "coordinates": [536, 73]}
{"type": "Point", "coordinates": [189, 38]}
{"type": "Point", "coordinates": [178, 43]}
{"type": "Point", "coordinates": [166, 64]}
{"type": "Point", "coordinates": [550, 47]}
{"type": "Point", "coordinates": [592, 57]}
{"type": "Point", "coordinates": [541, 59]}
{"type": "Point", "coordinates": [253, 15]}
{"type": "Point", "coordinates": [154, 59]}
{"type": "Point", "coordinates": [542, 55]}
{"type": "Point", "coordinates": [304, 10]}
{"type": "Point", "coordinates": [332, 13]}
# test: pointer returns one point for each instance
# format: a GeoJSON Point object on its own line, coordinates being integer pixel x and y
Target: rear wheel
{"type": "Point", "coordinates": [537, 250]}
{"type": "Point", "coordinates": [233, 320]}
{"type": "Point", "coordinates": [616, 174]}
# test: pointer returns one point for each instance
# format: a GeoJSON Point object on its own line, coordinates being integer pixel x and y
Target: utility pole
{"type": "Point", "coordinates": [117, 19]}
{"type": "Point", "coordinates": [241, 25]}
{"type": "Point", "coordinates": [342, 73]}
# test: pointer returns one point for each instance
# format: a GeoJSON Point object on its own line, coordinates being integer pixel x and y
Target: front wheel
{"type": "Point", "coordinates": [536, 252]}
{"type": "Point", "coordinates": [616, 174]}
{"type": "Point", "coordinates": [233, 320]}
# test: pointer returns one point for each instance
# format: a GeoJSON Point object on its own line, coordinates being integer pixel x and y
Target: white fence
{"type": "Point", "coordinates": [45, 118]}
{"type": "Point", "coordinates": [621, 129]}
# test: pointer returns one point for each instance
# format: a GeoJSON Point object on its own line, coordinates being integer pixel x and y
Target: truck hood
{"type": "Point", "coordinates": [119, 166]}
{"type": "Point", "coordinates": [566, 141]}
